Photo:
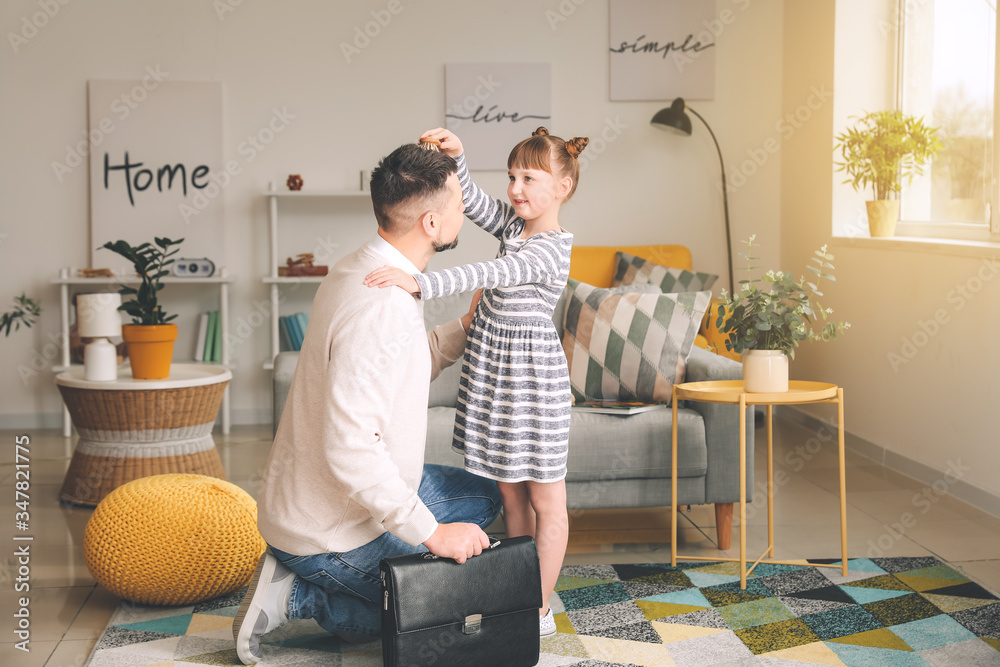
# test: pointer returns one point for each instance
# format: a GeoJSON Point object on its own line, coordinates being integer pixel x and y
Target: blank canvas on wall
{"type": "Point", "coordinates": [155, 161]}
{"type": "Point", "coordinates": [491, 107]}
{"type": "Point", "coordinates": [662, 49]}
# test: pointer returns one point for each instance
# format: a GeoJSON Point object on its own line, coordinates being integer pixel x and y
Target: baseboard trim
{"type": "Point", "coordinates": [960, 489]}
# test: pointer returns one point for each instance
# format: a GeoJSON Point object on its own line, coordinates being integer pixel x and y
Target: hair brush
{"type": "Point", "coordinates": [429, 144]}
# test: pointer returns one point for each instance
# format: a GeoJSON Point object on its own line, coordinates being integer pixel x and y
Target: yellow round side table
{"type": "Point", "coordinates": [731, 392]}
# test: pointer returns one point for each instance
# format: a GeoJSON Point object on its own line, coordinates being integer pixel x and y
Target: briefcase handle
{"type": "Point", "coordinates": [494, 543]}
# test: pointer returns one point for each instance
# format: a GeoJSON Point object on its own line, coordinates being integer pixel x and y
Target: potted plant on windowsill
{"type": "Point", "coordinates": [767, 326]}
{"type": "Point", "coordinates": [882, 149]}
{"type": "Point", "coordinates": [150, 337]}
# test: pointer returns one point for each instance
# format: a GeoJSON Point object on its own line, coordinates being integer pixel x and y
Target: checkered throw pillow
{"type": "Point", "coordinates": [632, 270]}
{"type": "Point", "coordinates": [629, 346]}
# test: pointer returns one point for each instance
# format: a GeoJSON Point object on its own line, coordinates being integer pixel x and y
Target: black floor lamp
{"type": "Point", "coordinates": [673, 118]}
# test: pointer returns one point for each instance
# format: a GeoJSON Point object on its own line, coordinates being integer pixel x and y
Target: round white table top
{"type": "Point", "coordinates": [181, 375]}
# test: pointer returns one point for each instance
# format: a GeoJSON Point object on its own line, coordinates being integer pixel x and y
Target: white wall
{"type": "Point", "coordinates": [642, 186]}
{"type": "Point", "coordinates": [935, 403]}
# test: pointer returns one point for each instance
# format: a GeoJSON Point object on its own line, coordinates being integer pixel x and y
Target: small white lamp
{"type": "Point", "coordinates": [98, 318]}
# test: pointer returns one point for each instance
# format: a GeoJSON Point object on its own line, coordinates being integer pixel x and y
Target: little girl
{"type": "Point", "coordinates": [512, 422]}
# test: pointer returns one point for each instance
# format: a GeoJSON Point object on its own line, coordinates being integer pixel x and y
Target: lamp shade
{"type": "Point", "coordinates": [673, 118]}
{"type": "Point", "coordinates": [97, 315]}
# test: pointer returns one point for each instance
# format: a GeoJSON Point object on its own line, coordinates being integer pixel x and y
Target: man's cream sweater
{"type": "Point", "coordinates": [348, 455]}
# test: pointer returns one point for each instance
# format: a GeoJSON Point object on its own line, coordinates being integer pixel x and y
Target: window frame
{"type": "Point", "coordinates": [954, 230]}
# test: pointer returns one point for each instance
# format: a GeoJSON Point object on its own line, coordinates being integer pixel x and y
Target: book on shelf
{"type": "Point", "coordinates": [284, 334]}
{"type": "Point", "coordinates": [199, 345]}
{"type": "Point", "coordinates": [217, 339]}
{"type": "Point", "coordinates": [293, 329]}
{"type": "Point", "coordinates": [303, 319]}
{"type": "Point", "coordinates": [617, 407]}
{"type": "Point", "coordinates": [213, 325]}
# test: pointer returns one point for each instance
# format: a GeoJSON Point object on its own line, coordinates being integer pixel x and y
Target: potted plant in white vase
{"type": "Point", "coordinates": [882, 149]}
{"type": "Point", "coordinates": [150, 337]}
{"type": "Point", "coordinates": [767, 326]}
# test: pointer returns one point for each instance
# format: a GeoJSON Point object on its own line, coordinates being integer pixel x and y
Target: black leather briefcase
{"type": "Point", "coordinates": [483, 612]}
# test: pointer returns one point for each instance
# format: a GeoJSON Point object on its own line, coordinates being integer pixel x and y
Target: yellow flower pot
{"type": "Point", "coordinates": [150, 349]}
{"type": "Point", "coordinates": [882, 217]}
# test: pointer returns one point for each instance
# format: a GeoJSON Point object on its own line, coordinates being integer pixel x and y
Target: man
{"type": "Point", "coordinates": [345, 483]}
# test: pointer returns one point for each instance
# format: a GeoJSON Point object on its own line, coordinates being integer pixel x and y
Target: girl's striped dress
{"type": "Point", "coordinates": [514, 397]}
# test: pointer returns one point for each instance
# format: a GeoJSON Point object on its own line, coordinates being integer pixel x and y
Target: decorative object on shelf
{"type": "Point", "coordinates": [882, 149]}
{"type": "Point", "coordinates": [95, 273]}
{"type": "Point", "coordinates": [674, 119]}
{"type": "Point", "coordinates": [202, 267]}
{"type": "Point", "coordinates": [429, 144]}
{"type": "Point", "coordinates": [150, 338]}
{"type": "Point", "coordinates": [25, 311]}
{"type": "Point", "coordinates": [366, 180]}
{"type": "Point", "coordinates": [294, 182]}
{"type": "Point", "coordinates": [98, 318]}
{"type": "Point", "coordinates": [775, 320]}
{"type": "Point", "coordinates": [173, 539]}
{"type": "Point", "coordinates": [302, 265]}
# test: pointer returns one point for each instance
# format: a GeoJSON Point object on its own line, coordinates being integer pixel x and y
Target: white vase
{"type": "Point", "coordinates": [765, 371]}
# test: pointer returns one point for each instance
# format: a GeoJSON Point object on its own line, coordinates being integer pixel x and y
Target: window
{"type": "Point", "coordinates": [947, 69]}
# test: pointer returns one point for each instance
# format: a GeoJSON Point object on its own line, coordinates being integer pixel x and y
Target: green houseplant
{"type": "Point", "coordinates": [25, 311]}
{"type": "Point", "coordinates": [775, 321]}
{"type": "Point", "coordinates": [881, 150]}
{"type": "Point", "coordinates": [150, 336]}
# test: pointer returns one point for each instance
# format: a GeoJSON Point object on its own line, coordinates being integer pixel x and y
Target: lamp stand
{"type": "Point", "coordinates": [100, 361]}
{"type": "Point", "coordinates": [725, 197]}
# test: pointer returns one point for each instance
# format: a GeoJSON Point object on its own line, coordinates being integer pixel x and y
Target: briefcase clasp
{"type": "Point", "coordinates": [473, 622]}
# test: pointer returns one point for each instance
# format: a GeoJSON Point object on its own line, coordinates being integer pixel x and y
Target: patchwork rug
{"type": "Point", "coordinates": [886, 612]}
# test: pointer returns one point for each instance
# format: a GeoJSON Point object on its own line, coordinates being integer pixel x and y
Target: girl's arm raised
{"type": "Point", "coordinates": [542, 260]}
{"type": "Point", "coordinates": [487, 212]}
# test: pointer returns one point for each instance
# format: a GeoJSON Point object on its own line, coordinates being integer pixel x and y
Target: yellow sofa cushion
{"type": "Point", "coordinates": [595, 265]}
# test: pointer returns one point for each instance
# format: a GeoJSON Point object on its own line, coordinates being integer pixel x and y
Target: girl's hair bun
{"type": "Point", "coordinates": [576, 145]}
{"type": "Point", "coordinates": [540, 132]}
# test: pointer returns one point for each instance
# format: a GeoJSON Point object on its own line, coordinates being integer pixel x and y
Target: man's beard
{"type": "Point", "coordinates": [441, 247]}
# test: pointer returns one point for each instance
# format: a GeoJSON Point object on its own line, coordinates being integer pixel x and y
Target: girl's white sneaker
{"type": "Point", "coordinates": [546, 624]}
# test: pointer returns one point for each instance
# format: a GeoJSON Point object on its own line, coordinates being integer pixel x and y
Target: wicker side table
{"type": "Point", "coordinates": [135, 428]}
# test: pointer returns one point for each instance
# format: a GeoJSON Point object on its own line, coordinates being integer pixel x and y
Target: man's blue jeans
{"type": "Point", "coordinates": [342, 591]}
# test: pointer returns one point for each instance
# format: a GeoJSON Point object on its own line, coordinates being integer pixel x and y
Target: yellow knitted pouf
{"type": "Point", "coordinates": [173, 539]}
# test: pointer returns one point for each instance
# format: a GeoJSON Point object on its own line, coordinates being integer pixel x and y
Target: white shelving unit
{"type": "Point", "coordinates": [67, 278]}
{"type": "Point", "coordinates": [276, 281]}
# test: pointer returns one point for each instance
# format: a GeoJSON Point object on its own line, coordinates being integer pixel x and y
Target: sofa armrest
{"type": "Point", "coordinates": [722, 437]}
{"type": "Point", "coordinates": [281, 382]}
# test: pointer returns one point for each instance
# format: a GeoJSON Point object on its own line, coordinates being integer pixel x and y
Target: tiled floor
{"type": "Point", "coordinates": [68, 611]}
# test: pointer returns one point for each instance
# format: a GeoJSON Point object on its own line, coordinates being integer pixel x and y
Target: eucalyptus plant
{"type": "Point", "coordinates": [778, 319]}
{"type": "Point", "coordinates": [150, 263]}
{"type": "Point", "coordinates": [25, 311]}
{"type": "Point", "coordinates": [884, 148]}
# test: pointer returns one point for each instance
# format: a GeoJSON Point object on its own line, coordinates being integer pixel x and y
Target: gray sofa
{"type": "Point", "coordinates": [614, 461]}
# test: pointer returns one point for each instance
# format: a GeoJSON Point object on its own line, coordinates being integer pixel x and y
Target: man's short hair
{"type": "Point", "coordinates": [406, 183]}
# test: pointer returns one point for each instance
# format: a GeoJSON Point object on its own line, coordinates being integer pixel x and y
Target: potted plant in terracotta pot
{"type": "Point", "coordinates": [150, 337]}
{"type": "Point", "coordinates": [882, 149]}
{"type": "Point", "coordinates": [767, 326]}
